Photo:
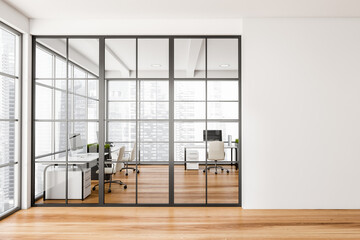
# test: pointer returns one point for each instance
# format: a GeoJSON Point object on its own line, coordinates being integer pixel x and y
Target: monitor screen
{"type": "Point", "coordinates": [212, 135]}
{"type": "Point", "coordinates": [75, 141]}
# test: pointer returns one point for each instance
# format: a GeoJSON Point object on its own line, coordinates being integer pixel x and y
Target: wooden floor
{"type": "Point", "coordinates": [153, 187]}
{"type": "Point", "coordinates": [179, 223]}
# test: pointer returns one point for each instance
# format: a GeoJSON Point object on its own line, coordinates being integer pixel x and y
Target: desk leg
{"type": "Point", "coordinates": [236, 159]}
{"type": "Point", "coordinates": [231, 150]}
{"type": "Point", "coordinates": [185, 158]}
{"type": "Point", "coordinates": [44, 179]}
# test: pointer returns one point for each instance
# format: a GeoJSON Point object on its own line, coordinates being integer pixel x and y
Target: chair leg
{"type": "Point", "coordinates": [216, 166]}
{"type": "Point", "coordinates": [109, 190]}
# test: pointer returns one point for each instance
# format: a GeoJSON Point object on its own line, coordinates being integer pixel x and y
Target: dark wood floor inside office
{"type": "Point", "coordinates": [179, 223]}
{"type": "Point", "coordinates": [153, 186]}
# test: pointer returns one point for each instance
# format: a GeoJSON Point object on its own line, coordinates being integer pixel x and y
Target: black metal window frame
{"type": "Point", "coordinates": [18, 119]}
{"type": "Point", "coordinates": [102, 117]}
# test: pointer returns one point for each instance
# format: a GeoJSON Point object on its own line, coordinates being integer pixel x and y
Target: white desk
{"type": "Point", "coordinates": [79, 180]}
{"type": "Point", "coordinates": [232, 147]}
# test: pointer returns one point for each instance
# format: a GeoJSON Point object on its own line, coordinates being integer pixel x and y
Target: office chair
{"type": "Point", "coordinates": [216, 153]}
{"type": "Point", "coordinates": [116, 167]}
{"type": "Point", "coordinates": [130, 157]}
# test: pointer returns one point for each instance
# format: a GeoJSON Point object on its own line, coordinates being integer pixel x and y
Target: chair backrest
{"type": "Point", "coordinates": [133, 153]}
{"type": "Point", "coordinates": [216, 151]}
{"type": "Point", "coordinates": [119, 158]}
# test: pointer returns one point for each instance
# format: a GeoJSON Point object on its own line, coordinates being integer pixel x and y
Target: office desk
{"type": "Point", "coordinates": [233, 147]}
{"type": "Point", "coordinates": [80, 181]}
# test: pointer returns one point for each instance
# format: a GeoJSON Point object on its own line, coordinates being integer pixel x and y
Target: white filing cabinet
{"type": "Point", "coordinates": [79, 183]}
{"type": "Point", "coordinates": [192, 155]}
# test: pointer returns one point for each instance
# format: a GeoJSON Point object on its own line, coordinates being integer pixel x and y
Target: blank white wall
{"type": "Point", "coordinates": [135, 26]}
{"type": "Point", "coordinates": [301, 113]}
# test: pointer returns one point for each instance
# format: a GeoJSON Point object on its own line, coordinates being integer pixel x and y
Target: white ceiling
{"type": "Point", "coordinates": [184, 9]}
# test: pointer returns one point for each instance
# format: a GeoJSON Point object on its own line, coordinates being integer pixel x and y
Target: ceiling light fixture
{"type": "Point", "coordinates": [224, 65]}
{"type": "Point", "coordinates": [156, 65]}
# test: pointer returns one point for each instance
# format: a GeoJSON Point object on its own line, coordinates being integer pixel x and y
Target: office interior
{"type": "Point", "coordinates": [136, 120]}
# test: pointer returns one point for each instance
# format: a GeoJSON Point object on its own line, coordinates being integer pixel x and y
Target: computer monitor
{"type": "Point", "coordinates": [212, 135]}
{"type": "Point", "coordinates": [75, 142]}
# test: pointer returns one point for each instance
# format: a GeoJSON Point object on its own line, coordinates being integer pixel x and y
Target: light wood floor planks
{"type": "Point", "coordinates": [153, 182]}
{"type": "Point", "coordinates": [104, 223]}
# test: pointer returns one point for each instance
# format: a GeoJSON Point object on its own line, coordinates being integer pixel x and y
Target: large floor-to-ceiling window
{"type": "Point", "coordinates": [10, 82]}
{"type": "Point", "coordinates": [156, 98]}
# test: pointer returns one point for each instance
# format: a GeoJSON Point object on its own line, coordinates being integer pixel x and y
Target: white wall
{"type": "Point", "coordinates": [136, 26]}
{"type": "Point", "coordinates": [301, 113]}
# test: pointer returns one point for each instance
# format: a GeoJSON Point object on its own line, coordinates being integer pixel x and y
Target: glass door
{"type": "Point", "coordinates": [153, 121]}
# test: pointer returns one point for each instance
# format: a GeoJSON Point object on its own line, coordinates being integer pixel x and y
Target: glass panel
{"type": "Point", "coordinates": [43, 102]}
{"type": "Point", "coordinates": [189, 58]}
{"type": "Point", "coordinates": [80, 87]}
{"type": "Point", "coordinates": [189, 90]}
{"type": "Point", "coordinates": [84, 57]}
{"type": "Point", "coordinates": [223, 110]}
{"type": "Point", "coordinates": [60, 67]}
{"type": "Point", "coordinates": [122, 110]}
{"type": "Point", "coordinates": [189, 131]}
{"type": "Point", "coordinates": [190, 180]}
{"type": "Point", "coordinates": [82, 178]}
{"type": "Point", "coordinates": [53, 186]}
{"type": "Point", "coordinates": [78, 72]}
{"type": "Point", "coordinates": [43, 64]}
{"type": "Point", "coordinates": [9, 130]}
{"type": "Point", "coordinates": [7, 141]}
{"type": "Point", "coordinates": [153, 58]}
{"type": "Point", "coordinates": [93, 107]}
{"type": "Point", "coordinates": [8, 187]}
{"type": "Point", "coordinates": [60, 136]}
{"type": "Point", "coordinates": [153, 184]}
{"type": "Point", "coordinates": [223, 180]}
{"type": "Point", "coordinates": [43, 138]}
{"type": "Point", "coordinates": [120, 58]}
{"type": "Point", "coordinates": [154, 110]}
{"type": "Point", "coordinates": [123, 134]}
{"type": "Point", "coordinates": [154, 152]}
{"type": "Point", "coordinates": [60, 104]}
{"type": "Point", "coordinates": [122, 90]}
{"type": "Point", "coordinates": [154, 90]}
{"type": "Point", "coordinates": [8, 98]}
{"type": "Point", "coordinates": [93, 88]}
{"type": "Point", "coordinates": [79, 107]}
{"type": "Point", "coordinates": [189, 110]}
{"type": "Point", "coordinates": [8, 52]}
{"type": "Point", "coordinates": [222, 57]}
{"type": "Point", "coordinates": [92, 132]}
{"type": "Point", "coordinates": [118, 131]}
{"type": "Point", "coordinates": [223, 90]}
{"type": "Point", "coordinates": [227, 128]}
{"type": "Point", "coordinates": [50, 58]}
{"type": "Point", "coordinates": [154, 131]}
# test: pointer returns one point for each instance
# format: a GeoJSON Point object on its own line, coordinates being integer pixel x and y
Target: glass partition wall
{"type": "Point", "coordinates": [132, 121]}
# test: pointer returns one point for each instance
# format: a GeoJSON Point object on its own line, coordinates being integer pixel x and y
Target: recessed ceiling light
{"type": "Point", "coordinates": [156, 65]}
{"type": "Point", "coordinates": [224, 65]}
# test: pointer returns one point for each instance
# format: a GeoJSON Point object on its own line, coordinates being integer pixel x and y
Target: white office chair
{"type": "Point", "coordinates": [115, 167]}
{"type": "Point", "coordinates": [216, 153]}
{"type": "Point", "coordinates": [129, 158]}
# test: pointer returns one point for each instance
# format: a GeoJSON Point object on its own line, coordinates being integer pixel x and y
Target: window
{"type": "Point", "coordinates": [51, 105]}
{"type": "Point", "coordinates": [9, 119]}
